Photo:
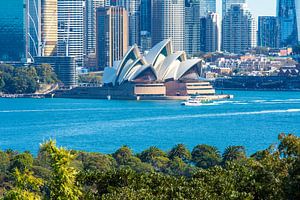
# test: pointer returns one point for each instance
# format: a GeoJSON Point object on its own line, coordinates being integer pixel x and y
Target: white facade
{"type": "Point", "coordinates": [161, 61]}
{"type": "Point", "coordinates": [168, 22]}
{"type": "Point", "coordinates": [71, 29]}
{"type": "Point", "coordinates": [238, 29]}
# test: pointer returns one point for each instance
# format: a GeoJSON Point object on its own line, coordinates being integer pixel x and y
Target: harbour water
{"type": "Point", "coordinates": [253, 119]}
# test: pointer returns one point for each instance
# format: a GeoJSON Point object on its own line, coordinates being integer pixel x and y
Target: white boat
{"type": "Point", "coordinates": [196, 101]}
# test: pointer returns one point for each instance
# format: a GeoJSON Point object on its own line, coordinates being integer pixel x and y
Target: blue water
{"type": "Point", "coordinates": [253, 119]}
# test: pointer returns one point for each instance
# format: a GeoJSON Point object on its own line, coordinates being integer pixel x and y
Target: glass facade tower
{"type": "Point", "coordinates": [226, 4]}
{"type": "Point", "coordinates": [288, 12]}
{"type": "Point", "coordinates": [34, 28]}
{"type": "Point", "coordinates": [13, 30]}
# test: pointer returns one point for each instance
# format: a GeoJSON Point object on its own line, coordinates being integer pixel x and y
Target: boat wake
{"type": "Point", "coordinates": [182, 117]}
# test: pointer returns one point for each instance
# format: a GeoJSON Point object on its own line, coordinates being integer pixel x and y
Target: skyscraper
{"type": "Point", "coordinates": [71, 29]}
{"type": "Point", "coordinates": [112, 35]}
{"type": "Point", "coordinates": [207, 6]}
{"type": "Point", "coordinates": [238, 29]}
{"type": "Point", "coordinates": [192, 28]}
{"type": "Point", "coordinates": [145, 21]}
{"type": "Point", "coordinates": [90, 23]}
{"type": "Point", "coordinates": [268, 32]}
{"type": "Point", "coordinates": [13, 30]}
{"type": "Point", "coordinates": [288, 13]}
{"type": "Point", "coordinates": [226, 4]}
{"type": "Point", "coordinates": [33, 28]}
{"type": "Point", "coordinates": [133, 9]}
{"type": "Point", "coordinates": [211, 33]}
{"type": "Point", "coordinates": [49, 27]}
{"type": "Point", "coordinates": [168, 22]}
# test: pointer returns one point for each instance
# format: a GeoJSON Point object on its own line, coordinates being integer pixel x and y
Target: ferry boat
{"type": "Point", "coordinates": [196, 101]}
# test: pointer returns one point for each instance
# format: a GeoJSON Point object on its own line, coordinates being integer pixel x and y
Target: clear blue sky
{"type": "Point", "coordinates": [259, 7]}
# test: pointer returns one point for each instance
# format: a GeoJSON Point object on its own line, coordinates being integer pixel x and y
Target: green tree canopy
{"type": "Point", "coordinates": [206, 156]}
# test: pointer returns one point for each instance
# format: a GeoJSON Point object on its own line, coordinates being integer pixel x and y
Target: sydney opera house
{"type": "Point", "coordinates": [159, 73]}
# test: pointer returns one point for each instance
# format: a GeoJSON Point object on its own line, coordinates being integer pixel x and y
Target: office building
{"type": "Point", "coordinates": [71, 29]}
{"type": "Point", "coordinates": [268, 32]}
{"type": "Point", "coordinates": [211, 33]}
{"type": "Point", "coordinates": [226, 5]}
{"type": "Point", "coordinates": [288, 13]}
{"type": "Point", "coordinates": [145, 22]}
{"type": "Point", "coordinates": [133, 9]}
{"type": "Point", "coordinates": [192, 28]}
{"type": "Point", "coordinates": [49, 27]}
{"type": "Point", "coordinates": [168, 22]}
{"type": "Point", "coordinates": [238, 29]}
{"type": "Point", "coordinates": [111, 35]}
{"type": "Point", "coordinates": [13, 26]}
{"type": "Point", "coordinates": [207, 6]}
{"type": "Point", "coordinates": [33, 29]}
{"type": "Point", "coordinates": [90, 24]}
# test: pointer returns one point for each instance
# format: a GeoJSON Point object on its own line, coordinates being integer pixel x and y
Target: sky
{"type": "Point", "coordinates": [259, 7]}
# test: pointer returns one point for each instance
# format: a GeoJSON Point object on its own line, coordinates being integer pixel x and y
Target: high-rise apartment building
{"type": "Point", "coordinates": [48, 27]}
{"type": "Point", "coordinates": [226, 5]}
{"type": "Point", "coordinates": [288, 13]}
{"type": "Point", "coordinates": [90, 23]}
{"type": "Point", "coordinates": [211, 33]}
{"type": "Point", "coordinates": [13, 29]}
{"type": "Point", "coordinates": [133, 9]}
{"type": "Point", "coordinates": [238, 29]}
{"type": "Point", "coordinates": [268, 32]}
{"type": "Point", "coordinates": [33, 29]}
{"type": "Point", "coordinates": [71, 29]}
{"type": "Point", "coordinates": [111, 35]}
{"type": "Point", "coordinates": [168, 22]}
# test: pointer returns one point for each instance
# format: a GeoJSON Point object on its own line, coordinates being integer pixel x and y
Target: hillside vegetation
{"type": "Point", "coordinates": [60, 174]}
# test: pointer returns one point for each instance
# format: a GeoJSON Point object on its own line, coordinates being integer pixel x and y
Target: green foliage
{"type": "Point", "coordinates": [150, 154]}
{"type": "Point", "coordinates": [19, 80]}
{"type": "Point", "coordinates": [180, 151]}
{"type": "Point", "coordinates": [63, 184]}
{"type": "Point", "coordinates": [271, 174]}
{"type": "Point", "coordinates": [27, 187]}
{"type": "Point", "coordinates": [206, 156]}
{"type": "Point", "coordinates": [233, 153]}
{"type": "Point", "coordinates": [21, 162]}
{"type": "Point", "coordinates": [45, 74]}
{"type": "Point", "coordinates": [96, 161]}
{"type": "Point", "coordinates": [123, 155]}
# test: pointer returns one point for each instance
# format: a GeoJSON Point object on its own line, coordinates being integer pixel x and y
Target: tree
{"type": "Point", "coordinates": [289, 148]}
{"type": "Point", "coordinates": [233, 153]}
{"type": "Point", "coordinates": [206, 156]}
{"type": "Point", "coordinates": [63, 184]}
{"type": "Point", "coordinates": [123, 155]}
{"type": "Point", "coordinates": [180, 151]}
{"type": "Point", "coordinates": [96, 161]}
{"type": "Point", "coordinates": [149, 154]}
{"type": "Point", "coordinates": [21, 162]}
{"type": "Point", "coordinates": [27, 187]}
